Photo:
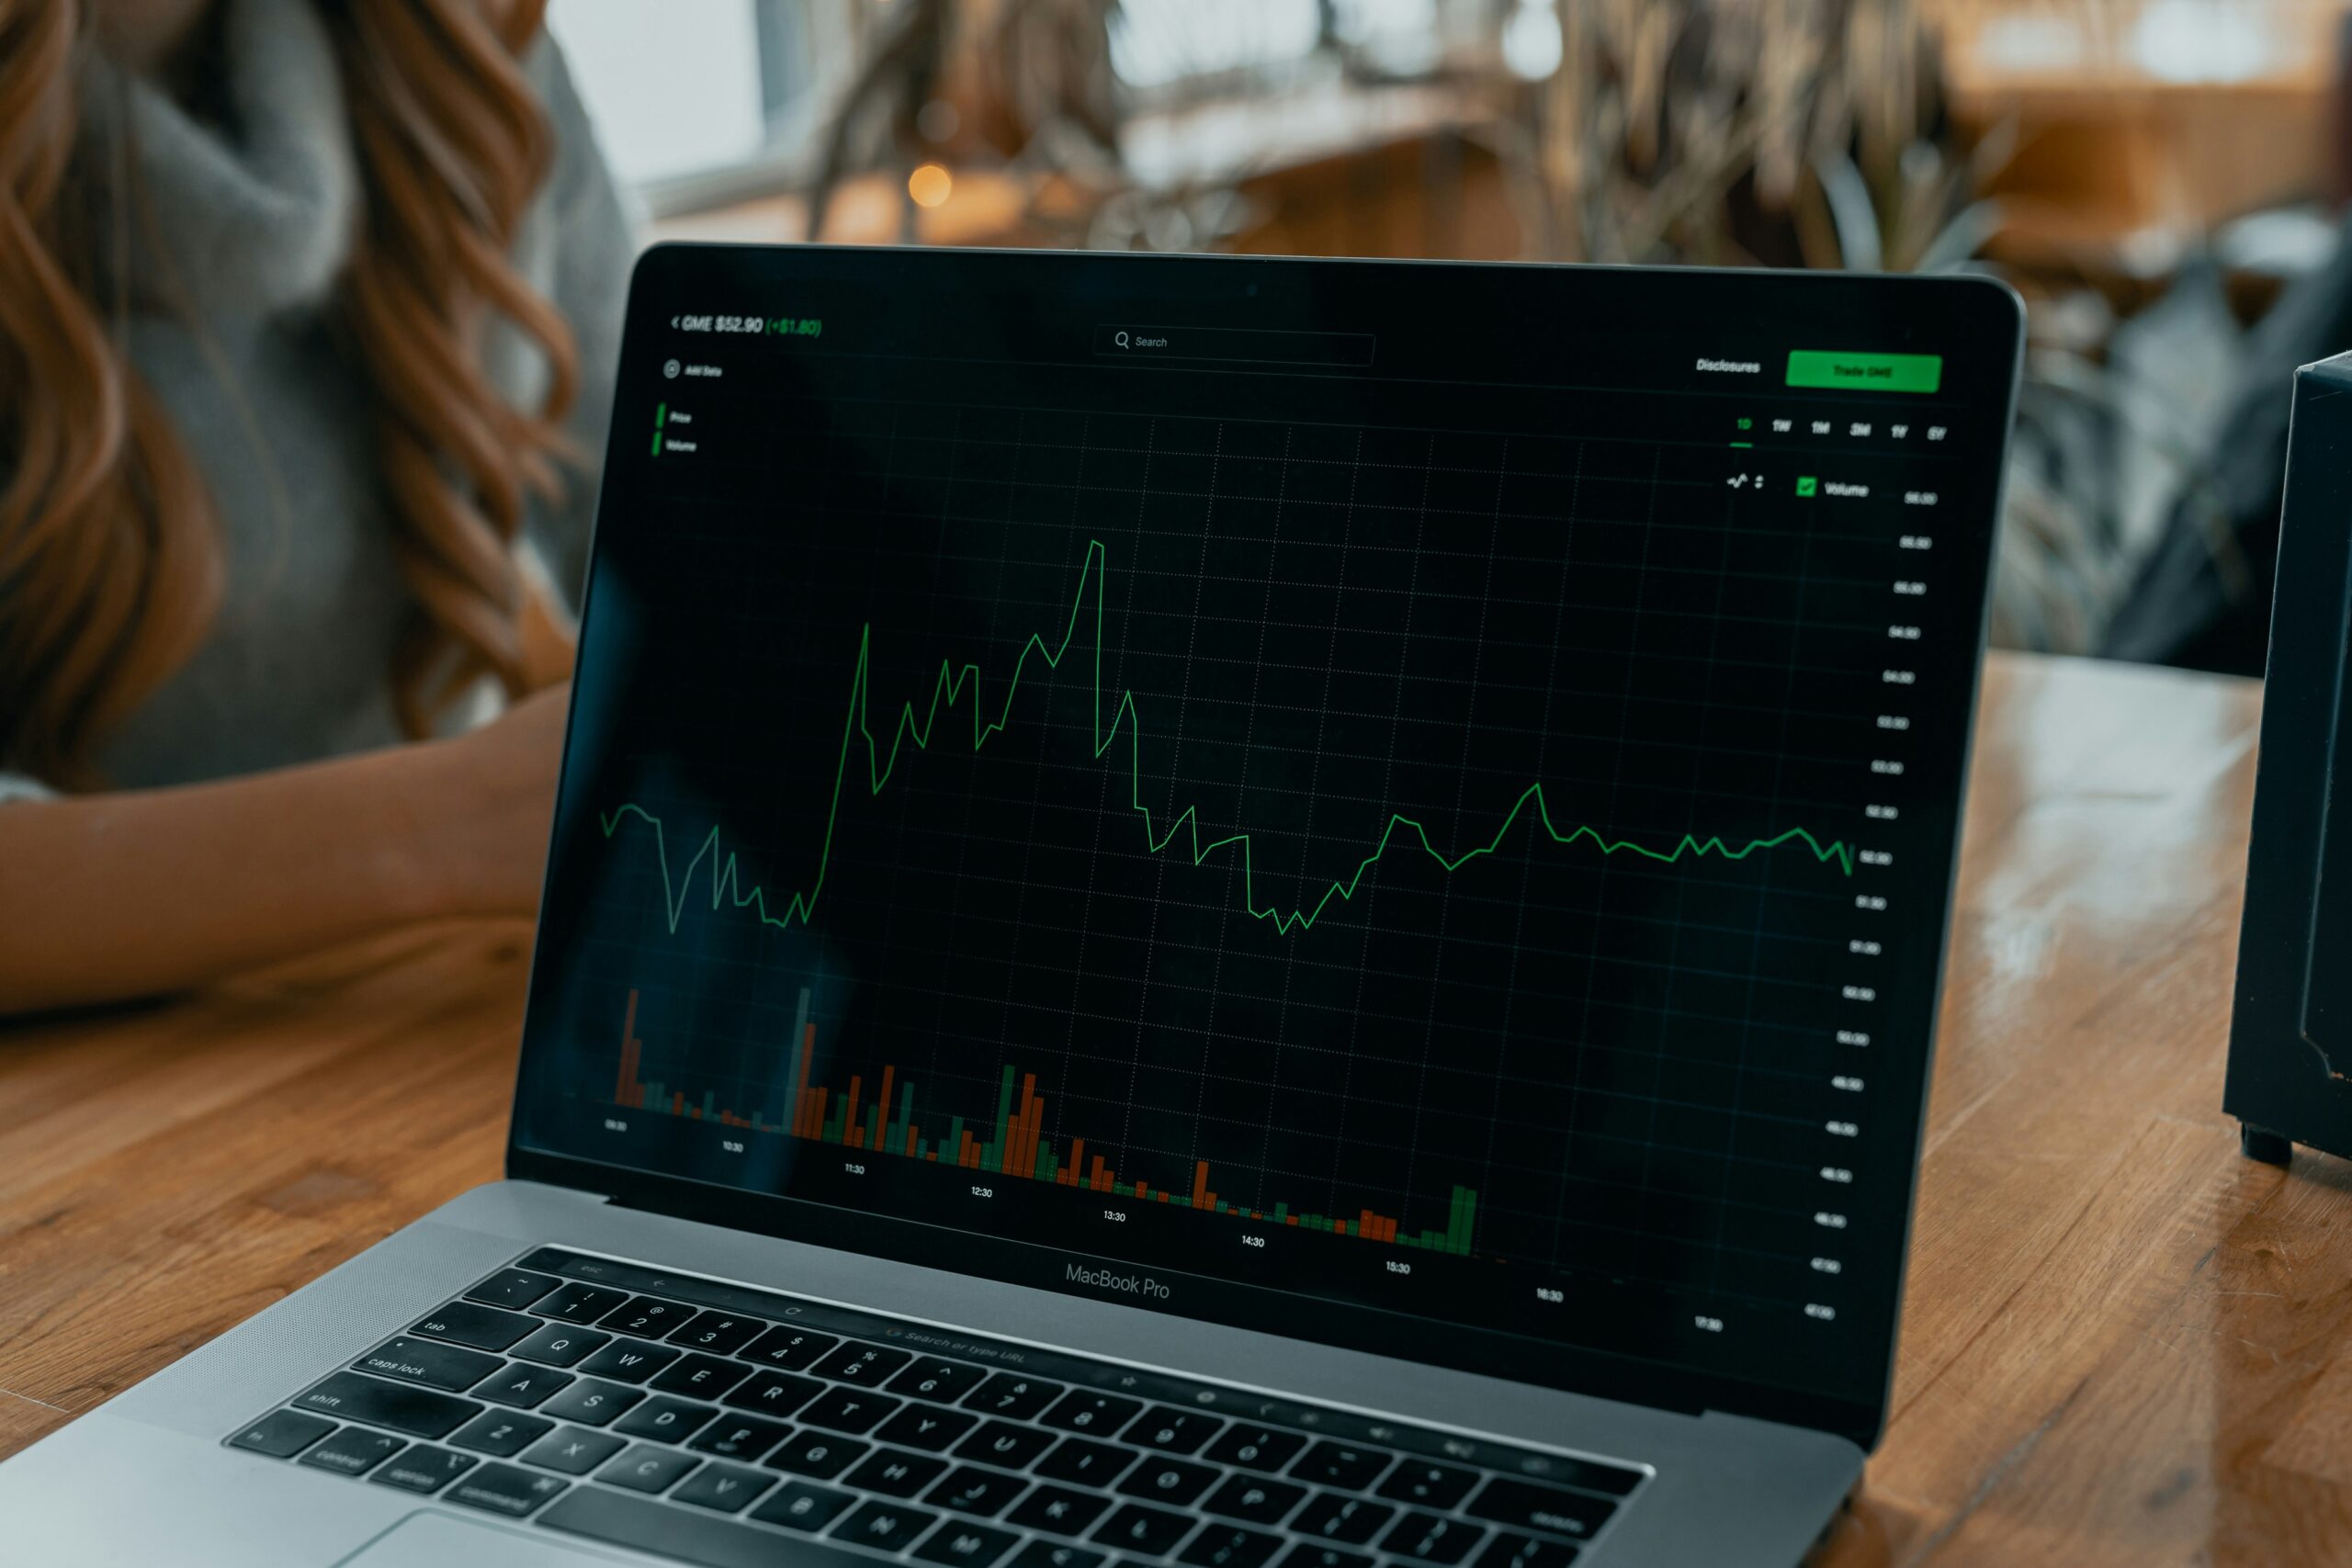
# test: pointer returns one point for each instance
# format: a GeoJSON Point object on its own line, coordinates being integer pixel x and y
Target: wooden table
{"type": "Point", "coordinates": [2124, 1344]}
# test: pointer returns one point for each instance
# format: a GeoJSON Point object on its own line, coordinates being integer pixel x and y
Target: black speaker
{"type": "Point", "coordinates": [2290, 1035]}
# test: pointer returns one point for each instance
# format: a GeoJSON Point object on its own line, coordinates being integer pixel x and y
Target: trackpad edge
{"type": "Point", "coordinates": [427, 1539]}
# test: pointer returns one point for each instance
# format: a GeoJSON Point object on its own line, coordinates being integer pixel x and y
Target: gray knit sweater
{"type": "Point", "coordinates": [252, 222]}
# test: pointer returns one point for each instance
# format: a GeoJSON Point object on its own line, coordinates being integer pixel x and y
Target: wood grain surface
{"type": "Point", "coordinates": [2122, 1343]}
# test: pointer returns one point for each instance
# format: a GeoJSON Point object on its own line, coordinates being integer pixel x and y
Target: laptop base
{"type": "Point", "coordinates": [1724, 1491]}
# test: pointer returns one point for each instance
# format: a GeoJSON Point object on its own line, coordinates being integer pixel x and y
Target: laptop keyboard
{"type": "Point", "coordinates": [717, 1424]}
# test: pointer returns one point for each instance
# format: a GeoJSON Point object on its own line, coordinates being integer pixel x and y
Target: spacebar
{"type": "Point", "coordinates": [690, 1537]}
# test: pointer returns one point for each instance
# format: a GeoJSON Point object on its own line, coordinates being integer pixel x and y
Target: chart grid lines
{"type": "Point", "coordinates": [1440, 821]}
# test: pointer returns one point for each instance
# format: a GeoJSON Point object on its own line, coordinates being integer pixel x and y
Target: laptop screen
{"type": "Point", "coordinates": [1399, 803]}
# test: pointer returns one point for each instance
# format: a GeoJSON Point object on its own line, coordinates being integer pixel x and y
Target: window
{"type": "Point", "coordinates": [697, 104]}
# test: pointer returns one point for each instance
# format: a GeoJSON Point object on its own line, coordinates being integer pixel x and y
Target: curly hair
{"type": "Point", "coordinates": [110, 562]}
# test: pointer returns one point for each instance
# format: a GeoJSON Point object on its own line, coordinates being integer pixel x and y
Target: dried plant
{"type": "Point", "coordinates": [1787, 131]}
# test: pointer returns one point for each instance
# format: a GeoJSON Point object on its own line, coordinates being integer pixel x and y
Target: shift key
{"type": "Point", "coordinates": [434, 1365]}
{"type": "Point", "coordinates": [404, 1407]}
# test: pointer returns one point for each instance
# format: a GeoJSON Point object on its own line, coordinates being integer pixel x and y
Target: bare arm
{"type": "Point", "coordinates": [112, 896]}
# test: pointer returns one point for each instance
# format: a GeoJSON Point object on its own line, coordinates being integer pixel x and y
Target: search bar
{"type": "Point", "coordinates": [1127, 340]}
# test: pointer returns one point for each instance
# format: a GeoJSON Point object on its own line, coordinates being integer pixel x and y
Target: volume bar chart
{"type": "Point", "coordinates": [882, 1117]}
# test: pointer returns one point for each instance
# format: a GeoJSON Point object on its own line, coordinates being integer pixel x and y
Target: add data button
{"type": "Point", "coordinates": [1866, 372]}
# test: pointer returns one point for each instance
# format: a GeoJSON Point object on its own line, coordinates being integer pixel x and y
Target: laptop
{"type": "Point", "coordinates": [1230, 912]}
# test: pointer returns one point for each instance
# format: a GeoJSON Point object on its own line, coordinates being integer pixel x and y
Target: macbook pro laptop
{"type": "Point", "coordinates": [1230, 912]}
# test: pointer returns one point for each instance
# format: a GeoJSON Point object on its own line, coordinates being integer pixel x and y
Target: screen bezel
{"type": "Point", "coordinates": [1979, 318]}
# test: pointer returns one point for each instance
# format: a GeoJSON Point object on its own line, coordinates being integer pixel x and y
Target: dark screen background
{"type": "Point", "coordinates": [1456, 835]}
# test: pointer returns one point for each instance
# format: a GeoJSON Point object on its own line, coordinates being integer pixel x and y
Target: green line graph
{"type": "Point", "coordinates": [729, 885]}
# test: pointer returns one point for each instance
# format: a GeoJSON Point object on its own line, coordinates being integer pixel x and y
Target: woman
{"type": "Point", "coordinates": [308, 310]}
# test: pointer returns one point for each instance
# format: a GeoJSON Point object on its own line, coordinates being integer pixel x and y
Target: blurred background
{"type": "Point", "coordinates": [2163, 180]}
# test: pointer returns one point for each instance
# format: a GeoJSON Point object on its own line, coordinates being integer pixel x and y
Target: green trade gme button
{"type": "Point", "coordinates": [1866, 372]}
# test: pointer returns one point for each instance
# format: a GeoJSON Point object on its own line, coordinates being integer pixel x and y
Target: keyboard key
{"type": "Point", "coordinates": [799, 1505]}
{"type": "Point", "coordinates": [574, 1451]}
{"type": "Point", "coordinates": [503, 1489]}
{"type": "Point", "coordinates": [495, 1432]}
{"type": "Point", "coordinates": [744, 1438]}
{"type": "Point", "coordinates": [1229, 1546]}
{"type": "Point", "coordinates": [1559, 1470]}
{"type": "Point", "coordinates": [581, 1303]}
{"type": "Point", "coordinates": [1306, 1556]}
{"type": "Point", "coordinates": [1425, 1538]}
{"type": "Point", "coordinates": [1055, 1554]}
{"type": "Point", "coordinates": [647, 1468]}
{"type": "Point", "coordinates": [855, 1361]}
{"type": "Point", "coordinates": [591, 1402]}
{"type": "Point", "coordinates": [723, 1488]}
{"type": "Point", "coordinates": [703, 1376]}
{"type": "Point", "coordinates": [520, 1386]}
{"type": "Point", "coordinates": [896, 1473]}
{"type": "Point", "coordinates": [884, 1527]}
{"type": "Point", "coordinates": [649, 1318]}
{"type": "Point", "coordinates": [419, 1412]}
{"type": "Point", "coordinates": [718, 1333]}
{"type": "Point", "coordinates": [821, 1454]}
{"type": "Point", "coordinates": [1342, 1465]}
{"type": "Point", "coordinates": [1522, 1505]}
{"type": "Point", "coordinates": [1174, 1481]}
{"type": "Point", "coordinates": [422, 1469]}
{"type": "Point", "coordinates": [1171, 1431]}
{"type": "Point", "coordinates": [679, 1535]}
{"type": "Point", "coordinates": [665, 1418]}
{"type": "Point", "coordinates": [965, 1546]}
{"type": "Point", "coordinates": [422, 1361]}
{"type": "Point", "coordinates": [776, 1393]}
{"type": "Point", "coordinates": [1427, 1484]}
{"type": "Point", "coordinates": [629, 1360]}
{"type": "Point", "coordinates": [282, 1434]}
{"type": "Point", "coordinates": [788, 1350]}
{"type": "Point", "coordinates": [942, 1382]}
{"type": "Point", "coordinates": [1153, 1532]}
{"type": "Point", "coordinates": [1510, 1550]}
{"type": "Point", "coordinates": [1255, 1448]}
{"type": "Point", "coordinates": [355, 1451]}
{"type": "Point", "coordinates": [1059, 1510]}
{"type": "Point", "coordinates": [1350, 1520]}
{"type": "Point", "coordinates": [484, 1328]}
{"type": "Point", "coordinates": [1255, 1499]}
{"type": "Point", "coordinates": [847, 1410]}
{"type": "Point", "coordinates": [560, 1344]}
{"type": "Point", "coordinates": [1099, 1413]}
{"type": "Point", "coordinates": [513, 1288]}
{"type": "Point", "coordinates": [1003, 1443]}
{"type": "Point", "coordinates": [1088, 1464]}
{"type": "Point", "coordinates": [971, 1490]}
{"type": "Point", "coordinates": [1017, 1397]}
{"type": "Point", "coordinates": [921, 1427]}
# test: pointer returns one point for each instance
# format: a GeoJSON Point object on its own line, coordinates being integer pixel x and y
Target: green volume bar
{"type": "Point", "coordinates": [1023, 1146]}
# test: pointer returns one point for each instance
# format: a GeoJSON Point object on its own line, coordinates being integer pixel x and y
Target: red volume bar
{"type": "Point", "coordinates": [1019, 1146]}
